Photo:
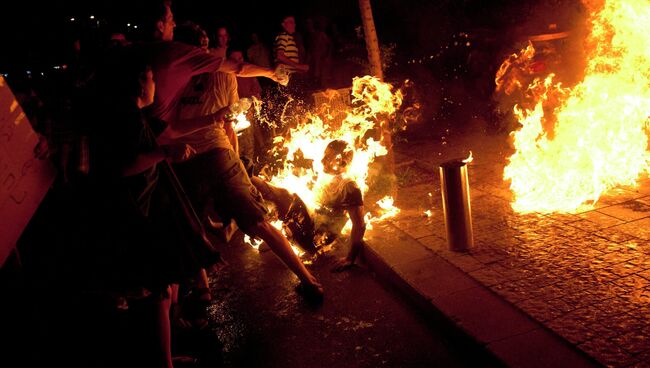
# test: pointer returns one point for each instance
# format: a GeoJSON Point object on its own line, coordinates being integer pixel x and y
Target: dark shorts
{"type": "Point", "coordinates": [219, 175]}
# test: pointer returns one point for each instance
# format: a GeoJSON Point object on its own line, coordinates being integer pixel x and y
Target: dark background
{"type": "Point", "coordinates": [37, 34]}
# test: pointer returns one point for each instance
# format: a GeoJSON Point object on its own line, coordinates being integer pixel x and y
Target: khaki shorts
{"type": "Point", "coordinates": [219, 175]}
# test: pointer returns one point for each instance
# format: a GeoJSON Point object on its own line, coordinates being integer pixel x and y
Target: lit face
{"type": "Point", "coordinates": [289, 25]}
{"type": "Point", "coordinates": [222, 37]}
{"type": "Point", "coordinates": [237, 57]}
{"type": "Point", "coordinates": [333, 162]}
{"type": "Point", "coordinates": [148, 89]}
{"type": "Point", "coordinates": [166, 27]}
{"type": "Point", "coordinates": [205, 41]}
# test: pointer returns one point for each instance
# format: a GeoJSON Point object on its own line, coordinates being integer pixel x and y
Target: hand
{"type": "Point", "coordinates": [280, 75]}
{"type": "Point", "coordinates": [188, 152]}
{"type": "Point", "coordinates": [342, 264]}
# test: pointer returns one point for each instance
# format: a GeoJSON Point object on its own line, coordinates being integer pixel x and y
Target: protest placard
{"type": "Point", "coordinates": [24, 179]}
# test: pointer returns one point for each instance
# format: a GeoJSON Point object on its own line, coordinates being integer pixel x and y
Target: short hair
{"type": "Point", "coordinates": [285, 16]}
{"type": "Point", "coordinates": [189, 33]}
{"type": "Point", "coordinates": [155, 11]}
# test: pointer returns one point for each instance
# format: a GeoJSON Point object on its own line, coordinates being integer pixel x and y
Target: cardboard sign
{"type": "Point", "coordinates": [24, 179]}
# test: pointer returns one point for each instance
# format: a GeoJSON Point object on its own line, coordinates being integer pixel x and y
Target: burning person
{"type": "Point", "coordinates": [340, 196]}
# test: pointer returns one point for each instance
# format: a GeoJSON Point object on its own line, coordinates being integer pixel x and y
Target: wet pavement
{"type": "Point", "coordinates": [261, 321]}
{"type": "Point", "coordinates": [584, 276]}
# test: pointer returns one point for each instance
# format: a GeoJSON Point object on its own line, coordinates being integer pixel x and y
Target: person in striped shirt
{"type": "Point", "coordinates": [285, 48]}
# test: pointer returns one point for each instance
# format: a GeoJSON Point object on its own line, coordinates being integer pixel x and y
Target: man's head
{"type": "Point", "coordinates": [237, 56]}
{"type": "Point", "coordinates": [222, 37]}
{"type": "Point", "coordinates": [289, 24]}
{"type": "Point", "coordinates": [337, 157]}
{"type": "Point", "coordinates": [191, 34]}
{"type": "Point", "coordinates": [255, 37]}
{"type": "Point", "coordinates": [160, 20]}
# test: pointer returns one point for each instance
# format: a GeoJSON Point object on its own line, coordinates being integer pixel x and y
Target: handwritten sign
{"type": "Point", "coordinates": [24, 180]}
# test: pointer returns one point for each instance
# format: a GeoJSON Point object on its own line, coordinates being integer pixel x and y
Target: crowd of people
{"type": "Point", "coordinates": [148, 162]}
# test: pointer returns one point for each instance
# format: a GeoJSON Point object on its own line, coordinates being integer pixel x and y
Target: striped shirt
{"type": "Point", "coordinates": [284, 42]}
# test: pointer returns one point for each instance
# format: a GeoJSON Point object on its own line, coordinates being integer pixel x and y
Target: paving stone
{"type": "Point", "coordinates": [627, 211]}
{"type": "Point", "coordinates": [639, 229]}
{"type": "Point", "coordinates": [396, 247]}
{"type": "Point", "coordinates": [586, 274]}
{"type": "Point", "coordinates": [576, 328]}
{"type": "Point", "coordinates": [623, 322]}
{"type": "Point", "coordinates": [539, 309]}
{"type": "Point", "coordinates": [615, 234]}
{"type": "Point", "coordinates": [562, 305]}
{"type": "Point", "coordinates": [466, 262]}
{"type": "Point", "coordinates": [600, 219]}
{"type": "Point", "coordinates": [487, 276]}
{"type": "Point", "coordinates": [607, 352]}
{"type": "Point", "coordinates": [632, 282]}
{"type": "Point", "coordinates": [619, 195]}
{"type": "Point", "coordinates": [435, 277]}
{"type": "Point", "coordinates": [634, 342]}
{"type": "Point", "coordinates": [531, 350]}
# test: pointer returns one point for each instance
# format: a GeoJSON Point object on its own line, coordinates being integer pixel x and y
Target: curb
{"type": "Point", "coordinates": [471, 313]}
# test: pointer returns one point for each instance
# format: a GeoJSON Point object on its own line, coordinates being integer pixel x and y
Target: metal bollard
{"type": "Point", "coordinates": [456, 205]}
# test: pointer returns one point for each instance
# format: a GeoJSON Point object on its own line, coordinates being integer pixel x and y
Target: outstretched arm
{"type": "Point", "coordinates": [356, 239]}
{"type": "Point", "coordinates": [247, 70]}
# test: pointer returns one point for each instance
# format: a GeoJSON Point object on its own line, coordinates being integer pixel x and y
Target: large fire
{"type": "Point", "coordinates": [576, 143]}
{"type": "Point", "coordinates": [303, 146]}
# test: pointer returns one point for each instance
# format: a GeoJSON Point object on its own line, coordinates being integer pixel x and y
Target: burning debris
{"type": "Point", "coordinates": [575, 143]}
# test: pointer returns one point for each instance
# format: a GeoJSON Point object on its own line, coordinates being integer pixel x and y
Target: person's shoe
{"type": "Point", "coordinates": [312, 293]}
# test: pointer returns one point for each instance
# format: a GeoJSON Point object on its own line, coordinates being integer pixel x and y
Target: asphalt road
{"type": "Point", "coordinates": [262, 322]}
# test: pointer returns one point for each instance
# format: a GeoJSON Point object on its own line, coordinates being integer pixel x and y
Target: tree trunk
{"type": "Point", "coordinates": [386, 180]}
{"type": "Point", "coordinates": [372, 43]}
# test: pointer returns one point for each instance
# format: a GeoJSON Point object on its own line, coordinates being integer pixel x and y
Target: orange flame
{"type": "Point", "coordinates": [373, 102]}
{"type": "Point", "coordinates": [577, 143]}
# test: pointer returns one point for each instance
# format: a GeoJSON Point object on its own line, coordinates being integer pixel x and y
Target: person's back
{"type": "Point", "coordinates": [205, 94]}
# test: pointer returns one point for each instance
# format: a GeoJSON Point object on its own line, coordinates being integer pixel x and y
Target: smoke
{"type": "Point", "coordinates": [557, 32]}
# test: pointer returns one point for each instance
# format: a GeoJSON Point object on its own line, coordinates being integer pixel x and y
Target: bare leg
{"type": "Point", "coordinates": [164, 329]}
{"type": "Point", "coordinates": [280, 197]}
{"type": "Point", "coordinates": [281, 247]}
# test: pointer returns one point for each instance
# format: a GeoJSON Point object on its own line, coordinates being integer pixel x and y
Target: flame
{"type": "Point", "coordinates": [253, 242]}
{"type": "Point", "coordinates": [469, 159]}
{"type": "Point", "coordinates": [373, 102]}
{"type": "Point", "coordinates": [242, 122]}
{"type": "Point", "coordinates": [303, 147]}
{"type": "Point", "coordinates": [577, 143]}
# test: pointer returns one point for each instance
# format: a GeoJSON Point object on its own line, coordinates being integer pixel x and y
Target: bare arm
{"type": "Point", "coordinates": [356, 239]}
{"type": "Point", "coordinates": [232, 136]}
{"type": "Point", "coordinates": [357, 233]}
{"type": "Point", "coordinates": [247, 70]}
{"type": "Point", "coordinates": [283, 59]}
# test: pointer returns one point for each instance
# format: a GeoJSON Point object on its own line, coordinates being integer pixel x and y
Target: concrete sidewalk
{"type": "Point", "coordinates": [536, 290]}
